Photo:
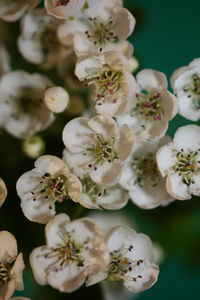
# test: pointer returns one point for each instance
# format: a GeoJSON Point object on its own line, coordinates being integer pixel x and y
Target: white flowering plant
{"type": "Point", "coordinates": [92, 153]}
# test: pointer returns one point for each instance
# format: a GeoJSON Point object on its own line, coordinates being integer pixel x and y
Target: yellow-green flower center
{"type": "Point", "coordinates": [187, 165]}
{"type": "Point", "coordinates": [100, 32]}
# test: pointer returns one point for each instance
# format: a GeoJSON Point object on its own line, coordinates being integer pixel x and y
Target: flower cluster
{"type": "Point", "coordinates": [116, 145]}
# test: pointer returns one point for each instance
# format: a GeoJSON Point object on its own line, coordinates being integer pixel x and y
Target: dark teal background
{"type": "Point", "coordinates": [167, 36]}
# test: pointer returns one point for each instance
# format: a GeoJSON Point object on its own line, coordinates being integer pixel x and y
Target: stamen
{"type": "Point", "coordinates": [148, 106]}
{"type": "Point", "coordinates": [4, 278]}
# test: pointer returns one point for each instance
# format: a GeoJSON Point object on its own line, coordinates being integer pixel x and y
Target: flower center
{"type": "Point", "coordinates": [100, 32]}
{"type": "Point", "coordinates": [146, 170]}
{"type": "Point", "coordinates": [27, 102]}
{"type": "Point", "coordinates": [148, 106]}
{"type": "Point", "coordinates": [120, 266]}
{"type": "Point", "coordinates": [92, 189]}
{"type": "Point", "coordinates": [102, 150]}
{"type": "Point", "coordinates": [3, 274]}
{"type": "Point", "coordinates": [187, 165]}
{"type": "Point", "coordinates": [52, 189]}
{"type": "Point", "coordinates": [46, 36]}
{"type": "Point", "coordinates": [69, 251]}
{"type": "Point", "coordinates": [107, 82]}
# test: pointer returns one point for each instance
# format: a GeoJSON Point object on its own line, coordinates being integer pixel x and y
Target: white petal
{"type": "Point", "coordinates": [3, 191]}
{"type": "Point", "coordinates": [107, 174]}
{"type": "Point", "coordinates": [188, 137]}
{"type": "Point", "coordinates": [78, 163]}
{"type": "Point", "coordinates": [166, 158]}
{"type": "Point", "coordinates": [149, 273]}
{"type": "Point", "coordinates": [68, 279]}
{"type": "Point", "coordinates": [187, 107]}
{"type": "Point", "coordinates": [114, 199]}
{"type": "Point", "coordinates": [16, 272]}
{"type": "Point", "coordinates": [40, 262]}
{"type": "Point", "coordinates": [176, 74]}
{"type": "Point", "coordinates": [53, 228]}
{"type": "Point", "coordinates": [105, 126]}
{"type": "Point", "coordinates": [148, 79]}
{"type": "Point", "coordinates": [8, 247]}
{"type": "Point", "coordinates": [87, 66]}
{"type": "Point", "coordinates": [77, 135]}
{"type": "Point", "coordinates": [176, 188]}
{"type": "Point", "coordinates": [125, 143]}
{"type": "Point", "coordinates": [124, 22]}
{"type": "Point", "coordinates": [148, 197]}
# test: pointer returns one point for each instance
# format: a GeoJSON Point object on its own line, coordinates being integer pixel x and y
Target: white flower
{"type": "Point", "coordinates": [38, 41]}
{"type": "Point", "coordinates": [33, 146]}
{"type": "Point", "coordinates": [99, 34]}
{"type": "Point", "coordinates": [12, 10]}
{"type": "Point", "coordinates": [97, 147]}
{"type": "Point", "coordinates": [113, 85]}
{"type": "Point", "coordinates": [56, 99]}
{"type": "Point", "coordinates": [65, 8]}
{"type": "Point", "coordinates": [3, 192]}
{"type": "Point", "coordinates": [40, 188]}
{"type": "Point", "coordinates": [11, 266]}
{"type": "Point", "coordinates": [131, 260]}
{"type": "Point", "coordinates": [180, 162]}
{"type": "Point", "coordinates": [152, 106]}
{"type": "Point", "coordinates": [142, 179]}
{"type": "Point", "coordinates": [186, 84]}
{"type": "Point", "coordinates": [96, 196]}
{"type": "Point", "coordinates": [74, 251]}
{"type": "Point", "coordinates": [22, 111]}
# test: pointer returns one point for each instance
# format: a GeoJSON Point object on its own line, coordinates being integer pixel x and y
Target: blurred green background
{"type": "Point", "coordinates": [167, 36]}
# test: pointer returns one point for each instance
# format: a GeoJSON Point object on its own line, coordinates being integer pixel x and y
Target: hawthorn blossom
{"type": "Point", "coordinates": [11, 266]}
{"type": "Point", "coordinates": [142, 179]}
{"type": "Point", "coordinates": [180, 162]}
{"type": "Point", "coordinates": [152, 106]}
{"type": "Point", "coordinates": [22, 111]}
{"type": "Point", "coordinates": [131, 260]}
{"type": "Point", "coordinates": [95, 196]}
{"type": "Point", "coordinates": [108, 74]}
{"type": "Point", "coordinates": [99, 34]}
{"type": "Point", "coordinates": [49, 182]}
{"type": "Point", "coordinates": [38, 42]}
{"type": "Point", "coordinates": [56, 99]}
{"type": "Point", "coordinates": [97, 148]}
{"type": "Point", "coordinates": [12, 10]}
{"type": "Point", "coordinates": [3, 192]}
{"type": "Point", "coordinates": [75, 250]}
{"type": "Point", "coordinates": [185, 82]}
